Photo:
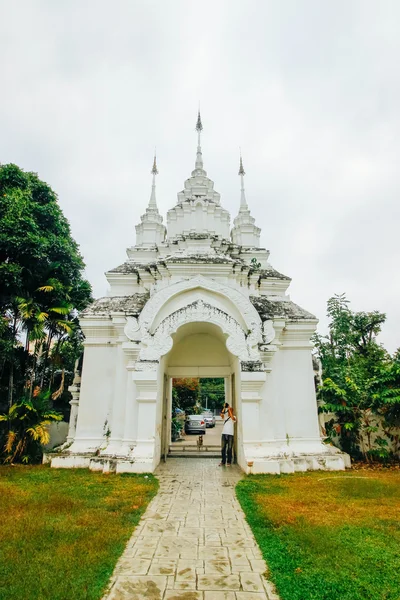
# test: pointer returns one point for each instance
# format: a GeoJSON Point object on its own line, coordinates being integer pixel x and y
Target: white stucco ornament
{"type": "Point", "coordinates": [233, 295]}
{"type": "Point", "coordinates": [268, 331]}
{"type": "Point", "coordinates": [161, 342]}
{"type": "Point", "coordinates": [132, 329]}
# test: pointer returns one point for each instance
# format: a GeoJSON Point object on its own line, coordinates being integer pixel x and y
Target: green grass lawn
{"type": "Point", "coordinates": [328, 536]}
{"type": "Point", "coordinates": [62, 531]}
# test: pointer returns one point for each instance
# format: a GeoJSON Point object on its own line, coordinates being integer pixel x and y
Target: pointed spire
{"type": "Point", "coordinates": [199, 156]}
{"type": "Point", "coordinates": [154, 172]}
{"type": "Point", "coordinates": [241, 169]}
{"type": "Point", "coordinates": [199, 125]}
{"type": "Point", "coordinates": [243, 203]}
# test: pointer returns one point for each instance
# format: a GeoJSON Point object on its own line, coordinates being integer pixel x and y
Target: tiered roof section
{"type": "Point", "coordinates": [198, 241]}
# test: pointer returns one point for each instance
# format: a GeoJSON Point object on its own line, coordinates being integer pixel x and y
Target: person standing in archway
{"type": "Point", "coordinates": [227, 435]}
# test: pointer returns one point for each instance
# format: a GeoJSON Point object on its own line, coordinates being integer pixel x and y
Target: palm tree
{"type": "Point", "coordinates": [42, 323]}
{"type": "Point", "coordinates": [28, 422]}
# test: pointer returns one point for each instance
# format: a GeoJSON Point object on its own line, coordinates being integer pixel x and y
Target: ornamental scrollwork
{"type": "Point", "coordinates": [268, 331]}
{"type": "Point", "coordinates": [158, 344]}
{"type": "Point", "coordinates": [132, 329]}
{"type": "Point", "coordinates": [151, 309]}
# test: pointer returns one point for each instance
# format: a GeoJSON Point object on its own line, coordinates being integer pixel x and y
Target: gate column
{"type": "Point", "coordinates": [251, 384]}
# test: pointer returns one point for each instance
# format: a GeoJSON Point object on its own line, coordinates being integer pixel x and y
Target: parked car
{"type": "Point", "coordinates": [209, 418]}
{"type": "Point", "coordinates": [195, 424]}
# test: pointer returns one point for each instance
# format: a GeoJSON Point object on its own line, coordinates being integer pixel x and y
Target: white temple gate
{"type": "Point", "coordinates": [196, 300]}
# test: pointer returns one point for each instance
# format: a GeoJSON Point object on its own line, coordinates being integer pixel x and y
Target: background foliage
{"type": "Point", "coordinates": [42, 289]}
{"type": "Point", "coordinates": [360, 387]}
{"type": "Point", "coordinates": [193, 394]}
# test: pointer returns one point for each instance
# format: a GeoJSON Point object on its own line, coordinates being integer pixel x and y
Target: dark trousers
{"type": "Point", "coordinates": [226, 447]}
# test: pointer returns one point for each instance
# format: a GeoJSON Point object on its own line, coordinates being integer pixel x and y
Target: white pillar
{"type": "Point", "coordinates": [145, 390]}
{"type": "Point", "coordinates": [130, 412]}
{"type": "Point", "coordinates": [75, 391]}
{"type": "Point", "coordinates": [251, 385]}
{"type": "Point", "coordinates": [119, 424]}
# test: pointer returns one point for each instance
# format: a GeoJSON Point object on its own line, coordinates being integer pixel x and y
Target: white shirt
{"type": "Point", "coordinates": [228, 425]}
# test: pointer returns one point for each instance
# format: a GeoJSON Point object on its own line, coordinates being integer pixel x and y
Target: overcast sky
{"type": "Point", "coordinates": [310, 90]}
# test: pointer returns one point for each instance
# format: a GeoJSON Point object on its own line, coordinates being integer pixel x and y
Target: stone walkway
{"type": "Point", "coordinates": [193, 542]}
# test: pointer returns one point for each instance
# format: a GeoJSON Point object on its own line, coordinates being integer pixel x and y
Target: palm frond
{"type": "Point", "coordinates": [12, 412]}
{"type": "Point", "coordinates": [41, 316]}
{"type": "Point", "coordinates": [52, 416]}
{"type": "Point", "coordinates": [40, 432]}
{"type": "Point", "coordinates": [61, 310]}
{"type": "Point", "coordinates": [10, 440]}
{"type": "Point", "coordinates": [60, 390]}
{"type": "Point", "coordinates": [65, 325]}
{"type": "Point", "coordinates": [19, 449]}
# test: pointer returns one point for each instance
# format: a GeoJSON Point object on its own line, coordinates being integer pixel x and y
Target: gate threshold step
{"type": "Point", "coordinates": [194, 448]}
{"type": "Point", "coordinates": [194, 455]}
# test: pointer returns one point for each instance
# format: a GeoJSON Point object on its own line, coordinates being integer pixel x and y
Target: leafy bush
{"type": "Point", "coordinates": [26, 429]}
{"type": "Point", "coordinates": [360, 385]}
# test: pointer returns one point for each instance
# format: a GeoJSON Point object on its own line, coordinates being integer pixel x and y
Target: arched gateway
{"type": "Point", "coordinates": [196, 300]}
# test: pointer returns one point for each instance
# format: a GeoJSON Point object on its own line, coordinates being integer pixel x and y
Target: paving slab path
{"type": "Point", "coordinates": [193, 542]}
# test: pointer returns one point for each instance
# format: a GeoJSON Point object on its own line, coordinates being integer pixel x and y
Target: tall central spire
{"type": "Point", "coordinates": [154, 172]}
{"type": "Point", "coordinates": [199, 156]}
{"type": "Point", "coordinates": [243, 203]}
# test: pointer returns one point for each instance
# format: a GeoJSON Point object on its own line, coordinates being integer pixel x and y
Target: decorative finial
{"type": "Point", "coordinates": [243, 203]}
{"type": "Point", "coordinates": [154, 170]}
{"type": "Point", "coordinates": [199, 125]}
{"type": "Point", "coordinates": [199, 157]}
{"type": "Point", "coordinates": [241, 169]}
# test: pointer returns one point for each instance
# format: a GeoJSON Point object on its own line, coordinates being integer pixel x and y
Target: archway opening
{"type": "Point", "coordinates": [199, 374]}
{"type": "Point", "coordinates": [195, 419]}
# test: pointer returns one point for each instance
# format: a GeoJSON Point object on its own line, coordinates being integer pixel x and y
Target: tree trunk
{"type": "Point", "coordinates": [11, 375]}
{"type": "Point", "coordinates": [11, 384]}
{"type": "Point", "coordinates": [52, 366]}
{"type": "Point", "coordinates": [46, 356]}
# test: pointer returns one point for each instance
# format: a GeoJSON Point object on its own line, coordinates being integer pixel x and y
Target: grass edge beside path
{"type": "Point", "coordinates": [62, 531]}
{"type": "Point", "coordinates": [327, 535]}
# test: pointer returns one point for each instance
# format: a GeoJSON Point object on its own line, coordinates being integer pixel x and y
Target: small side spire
{"type": "Point", "coordinates": [243, 203]}
{"type": "Point", "coordinates": [199, 156]}
{"type": "Point", "coordinates": [154, 172]}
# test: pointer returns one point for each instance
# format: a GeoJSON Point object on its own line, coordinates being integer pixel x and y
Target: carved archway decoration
{"type": "Point", "coordinates": [245, 347]}
{"type": "Point", "coordinates": [249, 314]}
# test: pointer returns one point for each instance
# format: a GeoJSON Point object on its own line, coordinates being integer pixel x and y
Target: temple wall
{"type": "Point", "coordinates": [298, 395]}
{"type": "Point", "coordinates": [272, 409]}
{"type": "Point", "coordinates": [207, 330]}
{"type": "Point", "coordinates": [96, 395]}
{"type": "Point", "coordinates": [162, 394]}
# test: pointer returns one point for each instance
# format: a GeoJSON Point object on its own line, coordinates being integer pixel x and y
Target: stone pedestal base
{"type": "Point", "coordinates": [104, 464]}
{"type": "Point", "coordinates": [257, 460]}
{"type": "Point", "coordinates": [265, 460]}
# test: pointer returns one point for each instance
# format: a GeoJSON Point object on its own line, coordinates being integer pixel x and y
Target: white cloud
{"type": "Point", "coordinates": [310, 91]}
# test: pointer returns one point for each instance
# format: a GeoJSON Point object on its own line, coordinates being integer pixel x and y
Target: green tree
{"type": "Point", "coordinates": [212, 389]}
{"type": "Point", "coordinates": [42, 288]}
{"type": "Point", "coordinates": [185, 393]}
{"type": "Point", "coordinates": [360, 381]}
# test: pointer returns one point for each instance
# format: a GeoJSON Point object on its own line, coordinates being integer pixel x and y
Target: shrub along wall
{"type": "Point", "coordinates": [359, 384]}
